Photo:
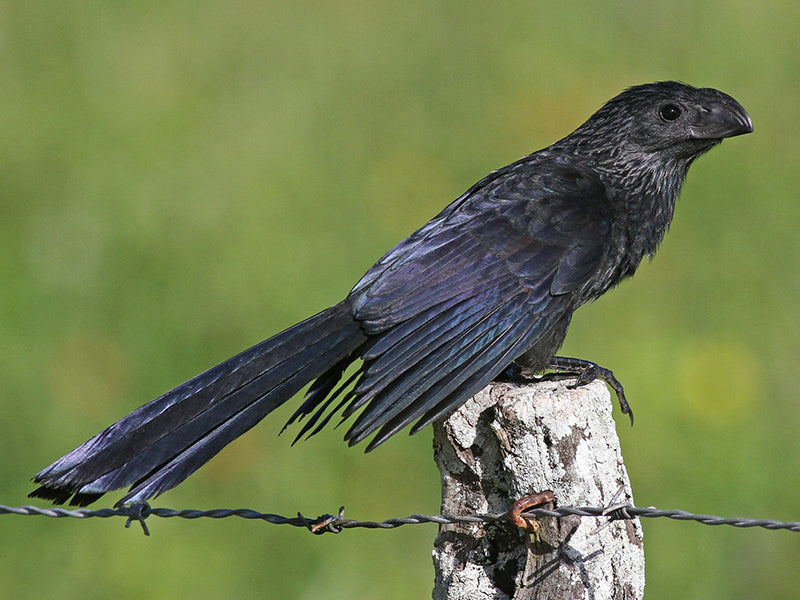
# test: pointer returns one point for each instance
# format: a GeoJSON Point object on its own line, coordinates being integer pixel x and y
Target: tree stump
{"type": "Point", "coordinates": [510, 441]}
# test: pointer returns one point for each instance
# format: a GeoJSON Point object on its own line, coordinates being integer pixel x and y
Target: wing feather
{"type": "Point", "coordinates": [452, 305]}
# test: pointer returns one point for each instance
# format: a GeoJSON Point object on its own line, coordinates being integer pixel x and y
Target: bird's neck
{"type": "Point", "coordinates": [643, 197]}
{"type": "Point", "coordinates": [642, 186]}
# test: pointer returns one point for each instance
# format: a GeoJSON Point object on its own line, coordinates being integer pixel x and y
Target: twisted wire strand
{"type": "Point", "coordinates": [335, 523]}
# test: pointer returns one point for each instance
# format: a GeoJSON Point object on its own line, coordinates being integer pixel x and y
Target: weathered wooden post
{"type": "Point", "coordinates": [508, 442]}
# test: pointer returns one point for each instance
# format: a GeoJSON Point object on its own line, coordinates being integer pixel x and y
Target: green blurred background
{"type": "Point", "coordinates": [179, 180]}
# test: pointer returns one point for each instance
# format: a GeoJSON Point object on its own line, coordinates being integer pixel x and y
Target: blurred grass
{"type": "Point", "coordinates": [179, 180]}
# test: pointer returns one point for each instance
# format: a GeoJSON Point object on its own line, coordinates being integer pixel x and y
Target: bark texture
{"type": "Point", "coordinates": [510, 441]}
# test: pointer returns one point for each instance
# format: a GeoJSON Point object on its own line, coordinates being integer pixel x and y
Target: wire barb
{"type": "Point", "coordinates": [614, 510]}
{"type": "Point", "coordinates": [138, 511]}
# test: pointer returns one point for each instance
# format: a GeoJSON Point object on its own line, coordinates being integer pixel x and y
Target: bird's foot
{"type": "Point", "coordinates": [586, 372]}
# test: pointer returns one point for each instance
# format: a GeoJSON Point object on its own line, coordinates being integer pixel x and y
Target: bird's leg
{"type": "Point", "coordinates": [513, 373]}
{"type": "Point", "coordinates": [586, 372]}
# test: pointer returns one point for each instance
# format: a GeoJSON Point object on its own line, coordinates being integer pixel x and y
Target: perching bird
{"type": "Point", "coordinates": [489, 283]}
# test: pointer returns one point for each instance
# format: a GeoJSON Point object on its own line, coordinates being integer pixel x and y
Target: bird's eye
{"type": "Point", "coordinates": [669, 112]}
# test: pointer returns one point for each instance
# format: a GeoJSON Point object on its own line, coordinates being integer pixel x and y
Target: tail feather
{"type": "Point", "coordinates": [158, 445]}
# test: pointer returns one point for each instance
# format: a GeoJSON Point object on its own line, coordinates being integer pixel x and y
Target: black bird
{"type": "Point", "coordinates": [490, 283]}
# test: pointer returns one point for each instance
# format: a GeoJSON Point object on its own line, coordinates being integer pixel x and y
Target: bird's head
{"type": "Point", "coordinates": [667, 119]}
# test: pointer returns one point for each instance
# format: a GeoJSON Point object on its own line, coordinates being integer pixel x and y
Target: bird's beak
{"type": "Point", "coordinates": [721, 119]}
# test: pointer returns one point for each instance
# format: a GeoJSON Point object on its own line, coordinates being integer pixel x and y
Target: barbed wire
{"type": "Point", "coordinates": [336, 523]}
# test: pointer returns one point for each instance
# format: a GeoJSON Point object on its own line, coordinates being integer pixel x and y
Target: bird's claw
{"type": "Point", "coordinates": [586, 372]}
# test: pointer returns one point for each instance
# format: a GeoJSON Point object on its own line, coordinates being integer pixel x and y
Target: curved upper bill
{"type": "Point", "coordinates": [721, 119]}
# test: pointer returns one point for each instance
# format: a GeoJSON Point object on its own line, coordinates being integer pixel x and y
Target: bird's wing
{"type": "Point", "coordinates": [455, 303]}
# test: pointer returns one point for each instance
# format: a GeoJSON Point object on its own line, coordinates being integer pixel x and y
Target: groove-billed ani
{"type": "Point", "coordinates": [490, 281]}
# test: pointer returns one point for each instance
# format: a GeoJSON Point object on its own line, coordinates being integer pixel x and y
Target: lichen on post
{"type": "Point", "coordinates": [510, 441]}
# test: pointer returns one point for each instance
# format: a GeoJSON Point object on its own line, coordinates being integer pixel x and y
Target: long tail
{"type": "Point", "coordinates": [160, 444]}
